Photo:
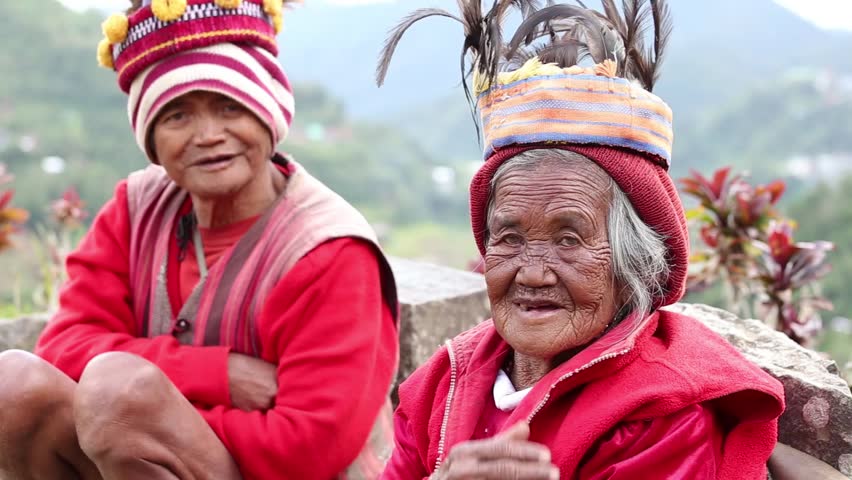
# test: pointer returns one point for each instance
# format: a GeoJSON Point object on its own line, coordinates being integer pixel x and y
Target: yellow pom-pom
{"type": "Point", "coordinates": [273, 8]}
{"type": "Point", "coordinates": [168, 10]}
{"type": "Point", "coordinates": [278, 22]}
{"type": "Point", "coordinates": [115, 28]}
{"type": "Point", "coordinates": [228, 3]}
{"type": "Point", "coordinates": [105, 54]}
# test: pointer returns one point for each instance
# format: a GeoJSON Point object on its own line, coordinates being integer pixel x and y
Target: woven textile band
{"type": "Point", "coordinates": [203, 23]}
{"type": "Point", "coordinates": [248, 74]}
{"type": "Point", "coordinates": [577, 110]}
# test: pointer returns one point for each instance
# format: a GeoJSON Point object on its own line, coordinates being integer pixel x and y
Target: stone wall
{"type": "Point", "coordinates": [21, 333]}
{"type": "Point", "coordinates": [818, 417]}
{"type": "Point", "coordinates": [439, 302]}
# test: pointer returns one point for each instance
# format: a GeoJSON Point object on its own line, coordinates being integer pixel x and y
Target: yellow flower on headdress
{"type": "Point", "coordinates": [105, 54]}
{"type": "Point", "coordinates": [273, 7]}
{"type": "Point", "coordinates": [531, 68]}
{"type": "Point", "coordinates": [115, 28]}
{"type": "Point", "coordinates": [168, 10]}
{"type": "Point", "coordinates": [228, 3]}
{"type": "Point", "coordinates": [275, 10]}
{"type": "Point", "coordinates": [278, 22]}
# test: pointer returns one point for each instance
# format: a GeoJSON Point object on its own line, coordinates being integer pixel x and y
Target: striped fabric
{"type": "Point", "coordinates": [150, 24]}
{"type": "Point", "coordinates": [249, 74]}
{"type": "Point", "coordinates": [204, 23]}
{"type": "Point", "coordinates": [576, 109]}
{"type": "Point", "coordinates": [224, 308]}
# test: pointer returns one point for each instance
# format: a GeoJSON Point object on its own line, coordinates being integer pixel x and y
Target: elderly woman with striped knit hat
{"type": "Point", "coordinates": [227, 316]}
{"type": "Point", "coordinates": [580, 373]}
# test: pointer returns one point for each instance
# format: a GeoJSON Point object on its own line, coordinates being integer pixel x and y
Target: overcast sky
{"type": "Point", "coordinates": [830, 14]}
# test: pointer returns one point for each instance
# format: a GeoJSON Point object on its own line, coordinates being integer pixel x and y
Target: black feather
{"type": "Point", "coordinates": [583, 25]}
{"type": "Point", "coordinates": [663, 27]}
{"type": "Point", "coordinates": [566, 35]}
{"type": "Point", "coordinates": [563, 53]}
{"type": "Point", "coordinates": [611, 13]}
{"type": "Point", "coordinates": [397, 33]}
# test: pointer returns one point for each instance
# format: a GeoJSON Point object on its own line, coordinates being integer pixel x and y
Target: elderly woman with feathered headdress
{"type": "Point", "coordinates": [580, 373]}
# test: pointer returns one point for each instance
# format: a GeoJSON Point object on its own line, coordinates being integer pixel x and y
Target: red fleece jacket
{"type": "Point", "coordinates": [670, 400]}
{"type": "Point", "coordinates": [325, 326]}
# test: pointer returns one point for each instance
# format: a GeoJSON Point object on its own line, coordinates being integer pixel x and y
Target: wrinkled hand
{"type": "Point", "coordinates": [253, 382]}
{"type": "Point", "coordinates": [507, 456]}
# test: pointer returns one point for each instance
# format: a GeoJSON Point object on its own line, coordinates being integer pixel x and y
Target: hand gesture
{"type": "Point", "coordinates": [507, 456]}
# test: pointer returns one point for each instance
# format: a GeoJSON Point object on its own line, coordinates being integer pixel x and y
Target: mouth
{"type": "Point", "coordinates": [214, 162]}
{"type": "Point", "coordinates": [537, 306]}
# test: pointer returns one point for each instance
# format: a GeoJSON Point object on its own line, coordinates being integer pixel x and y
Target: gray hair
{"type": "Point", "coordinates": [639, 255]}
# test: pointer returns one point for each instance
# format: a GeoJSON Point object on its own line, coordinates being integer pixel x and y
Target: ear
{"type": "Point", "coordinates": [150, 148]}
{"type": "Point", "coordinates": [622, 296]}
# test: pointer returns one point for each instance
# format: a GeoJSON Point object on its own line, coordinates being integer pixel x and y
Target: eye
{"type": "Point", "coordinates": [172, 117]}
{"type": "Point", "coordinates": [510, 239]}
{"type": "Point", "coordinates": [568, 241]}
{"type": "Point", "coordinates": [233, 108]}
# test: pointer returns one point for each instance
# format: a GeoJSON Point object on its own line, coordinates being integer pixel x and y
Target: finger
{"type": "Point", "coordinates": [518, 431]}
{"type": "Point", "coordinates": [496, 449]}
{"type": "Point", "coordinates": [505, 470]}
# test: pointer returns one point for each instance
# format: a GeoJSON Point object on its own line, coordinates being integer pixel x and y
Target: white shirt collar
{"type": "Point", "coordinates": [506, 398]}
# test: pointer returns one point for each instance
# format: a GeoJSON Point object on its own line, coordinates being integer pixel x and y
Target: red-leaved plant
{"type": "Point", "coordinates": [56, 243]}
{"type": "Point", "coordinates": [750, 249]}
{"type": "Point", "coordinates": [11, 218]}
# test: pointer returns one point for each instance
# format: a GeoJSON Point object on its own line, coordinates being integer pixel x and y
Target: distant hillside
{"type": "Point", "coordinates": [775, 128]}
{"type": "Point", "coordinates": [824, 214]}
{"type": "Point", "coordinates": [717, 49]}
{"type": "Point", "coordinates": [56, 101]}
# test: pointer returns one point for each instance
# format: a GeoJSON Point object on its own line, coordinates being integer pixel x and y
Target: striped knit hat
{"type": "Point", "coordinates": [168, 48]}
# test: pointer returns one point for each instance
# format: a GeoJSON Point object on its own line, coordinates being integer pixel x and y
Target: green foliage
{"type": "Point", "coordinates": [825, 213]}
{"type": "Point", "coordinates": [54, 93]}
{"type": "Point", "coordinates": [74, 109]}
{"type": "Point", "coordinates": [56, 98]}
{"type": "Point", "coordinates": [436, 243]}
{"type": "Point", "coordinates": [763, 128]}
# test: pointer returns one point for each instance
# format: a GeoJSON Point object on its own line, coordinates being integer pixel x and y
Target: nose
{"type": "Point", "coordinates": [209, 130]}
{"type": "Point", "coordinates": [536, 274]}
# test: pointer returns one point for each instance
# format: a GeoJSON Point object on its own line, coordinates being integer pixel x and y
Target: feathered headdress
{"type": "Point", "coordinates": [576, 79]}
{"type": "Point", "coordinates": [542, 63]}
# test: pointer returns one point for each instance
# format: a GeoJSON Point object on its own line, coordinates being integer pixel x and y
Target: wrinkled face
{"type": "Point", "coordinates": [211, 145]}
{"type": "Point", "coordinates": [548, 260]}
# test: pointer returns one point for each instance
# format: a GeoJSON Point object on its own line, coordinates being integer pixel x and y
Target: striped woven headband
{"type": "Point", "coordinates": [576, 108]}
{"type": "Point", "coordinates": [162, 28]}
{"type": "Point", "coordinates": [151, 24]}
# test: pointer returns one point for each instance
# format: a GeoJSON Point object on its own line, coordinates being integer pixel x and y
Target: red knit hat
{"type": "Point", "coordinates": [167, 48]}
{"type": "Point", "coordinates": [647, 184]}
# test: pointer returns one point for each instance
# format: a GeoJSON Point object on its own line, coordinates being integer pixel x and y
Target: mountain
{"type": "Point", "coordinates": [717, 49]}
{"type": "Point", "coordinates": [727, 82]}
{"type": "Point", "coordinates": [56, 102]}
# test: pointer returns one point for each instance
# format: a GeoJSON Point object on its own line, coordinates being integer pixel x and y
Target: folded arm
{"type": "Point", "coordinates": [334, 340]}
{"type": "Point", "coordinates": [95, 315]}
